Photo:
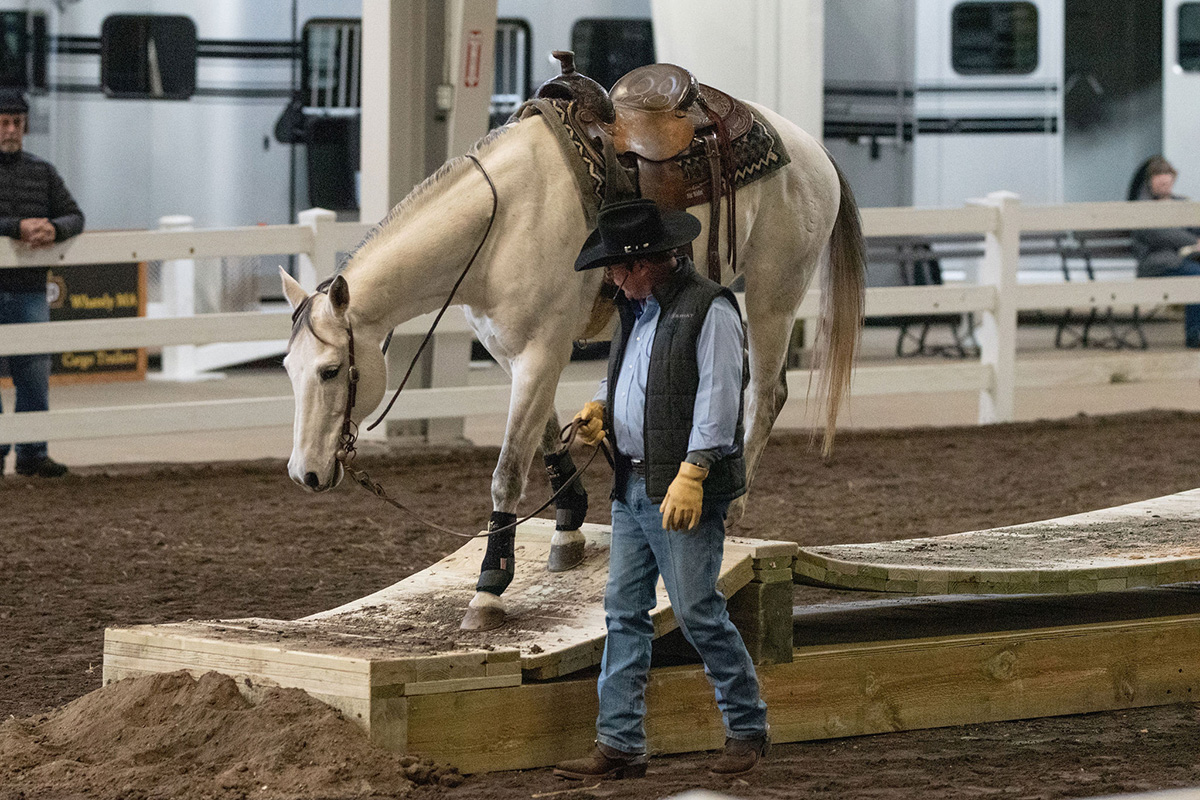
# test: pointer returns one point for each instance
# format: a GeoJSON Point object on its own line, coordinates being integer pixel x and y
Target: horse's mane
{"type": "Point", "coordinates": [445, 172]}
{"type": "Point", "coordinates": [302, 315]}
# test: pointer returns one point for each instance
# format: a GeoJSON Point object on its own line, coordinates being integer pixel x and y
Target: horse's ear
{"type": "Point", "coordinates": [292, 290]}
{"type": "Point", "coordinates": [339, 295]}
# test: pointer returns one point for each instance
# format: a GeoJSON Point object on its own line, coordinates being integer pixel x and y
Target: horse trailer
{"type": "Point", "coordinates": [238, 113]}
{"type": "Point", "coordinates": [933, 102]}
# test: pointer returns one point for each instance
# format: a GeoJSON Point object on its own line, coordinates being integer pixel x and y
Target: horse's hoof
{"type": "Point", "coordinates": [482, 619]}
{"type": "Point", "coordinates": [484, 612]}
{"type": "Point", "coordinates": [565, 556]}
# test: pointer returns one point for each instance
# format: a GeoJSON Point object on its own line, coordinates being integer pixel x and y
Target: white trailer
{"type": "Point", "coordinates": [933, 102]}
{"type": "Point", "coordinates": [170, 107]}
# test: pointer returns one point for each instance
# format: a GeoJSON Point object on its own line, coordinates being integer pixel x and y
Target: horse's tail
{"type": "Point", "coordinates": [843, 289]}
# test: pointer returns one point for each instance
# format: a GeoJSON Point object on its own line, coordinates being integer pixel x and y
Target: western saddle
{"type": "Point", "coordinates": [654, 120]}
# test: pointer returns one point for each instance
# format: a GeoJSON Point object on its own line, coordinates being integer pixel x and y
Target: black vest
{"type": "Point", "coordinates": [671, 386]}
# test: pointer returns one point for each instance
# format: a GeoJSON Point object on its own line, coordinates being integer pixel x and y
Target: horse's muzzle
{"type": "Point", "coordinates": [314, 483]}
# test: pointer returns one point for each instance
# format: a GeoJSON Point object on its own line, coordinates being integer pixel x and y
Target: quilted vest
{"type": "Point", "coordinates": [671, 386]}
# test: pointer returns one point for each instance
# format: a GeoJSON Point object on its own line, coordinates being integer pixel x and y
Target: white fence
{"type": "Point", "coordinates": [996, 299]}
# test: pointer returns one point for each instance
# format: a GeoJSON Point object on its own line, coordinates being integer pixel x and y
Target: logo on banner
{"type": "Point", "coordinates": [474, 57]}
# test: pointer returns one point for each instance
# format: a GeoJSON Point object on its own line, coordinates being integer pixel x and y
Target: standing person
{"type": "Point", "coordinates": [1166, 252]}
{"type": "Point", "coordinates": [672, 408]}
{"type": "Point", "coordinates": [37, 210]}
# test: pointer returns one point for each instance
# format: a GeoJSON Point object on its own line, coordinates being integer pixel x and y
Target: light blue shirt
{"type": "Point", "coordinates": [719, 356]}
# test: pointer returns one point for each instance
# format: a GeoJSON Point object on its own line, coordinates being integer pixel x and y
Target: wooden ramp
{"type": "Point", "coordinates": [1150, 543]}
{"type": "Point", "coordinates": [395, 662]}
{"type": "Point", "coordinates": [368, 657]}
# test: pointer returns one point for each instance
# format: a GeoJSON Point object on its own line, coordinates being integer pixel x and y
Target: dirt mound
{"type": "Point", "coordinates": [171, 735]}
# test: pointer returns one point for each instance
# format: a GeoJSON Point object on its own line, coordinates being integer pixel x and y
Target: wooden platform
{"type": "Point", "coordinates": [851, 674]}
{"type": "Point", "coordinates": [368, 657]}
{"type": "Point", "coordinates": [525, 696]}
{"type": "Point", "coordinates": [1150, 543]}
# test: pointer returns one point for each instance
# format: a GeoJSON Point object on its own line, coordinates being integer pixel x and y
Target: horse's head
{"type": "Point", "coordinates": [318, 363]}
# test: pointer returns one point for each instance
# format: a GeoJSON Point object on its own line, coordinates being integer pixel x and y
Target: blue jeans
{"type": "Point", "coordinates": [1191, 313]}
{"type": "Point", "coordinates": [30, 374]}
{"type": "Point", "coordinates": [689, 562]}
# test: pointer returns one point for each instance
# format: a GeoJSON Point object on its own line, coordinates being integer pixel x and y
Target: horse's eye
{"type": "Point", "coordinates": [329, 373]}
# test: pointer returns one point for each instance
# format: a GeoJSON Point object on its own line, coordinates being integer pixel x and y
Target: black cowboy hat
{"type": "Point", "coordinates": [634, 228]}
{"type": "Point", "coordinates": [12, 101]}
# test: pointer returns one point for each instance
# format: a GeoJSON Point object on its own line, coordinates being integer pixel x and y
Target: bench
{"type": "Point", "coordinates": [911, 261]}
{"type": "Point", "coordinates": [1085, 249]}
{"type": "Point", "coordinates": [908, 261]}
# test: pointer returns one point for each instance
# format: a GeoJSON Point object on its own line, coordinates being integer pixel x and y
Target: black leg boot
{"type": "Point", "coordinates": [495, 574]}
{"type": "Point", "coordinates": [570, 510]}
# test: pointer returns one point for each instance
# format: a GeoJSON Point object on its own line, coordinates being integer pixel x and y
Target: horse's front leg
{"type": "Point", "coordinates": [571, 507]}
{"type": "Point", "coordinates": [534, 378]}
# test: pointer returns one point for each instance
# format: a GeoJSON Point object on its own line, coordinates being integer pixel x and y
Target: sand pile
{"type": "Point", "coordinates": [173, 736]}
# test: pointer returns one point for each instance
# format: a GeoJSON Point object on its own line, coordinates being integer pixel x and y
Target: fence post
{"type": "Point", "coordinates": [319, 263]}
{"type": "Point", "coordinates": [178, 282]}
{"type": "Point", "coordinates": [998, 330]}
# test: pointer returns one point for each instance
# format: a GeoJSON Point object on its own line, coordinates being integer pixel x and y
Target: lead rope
{"type": "Point", "coordinates": [349, 437]}
{"type": "Point", "coordinates": [566, 436]}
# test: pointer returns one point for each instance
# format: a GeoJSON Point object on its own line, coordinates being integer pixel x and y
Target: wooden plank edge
{"type": "Point", "coordinates": [837, 692]}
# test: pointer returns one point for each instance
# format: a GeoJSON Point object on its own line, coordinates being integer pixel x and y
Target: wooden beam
{"type": "Point", "coordinates": [1147, 543]}
{"type": "Point", "coordinates": [836, 691]}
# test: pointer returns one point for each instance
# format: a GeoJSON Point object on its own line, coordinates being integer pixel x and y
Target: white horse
{"type": "Point", "coordinates": [527, 305]}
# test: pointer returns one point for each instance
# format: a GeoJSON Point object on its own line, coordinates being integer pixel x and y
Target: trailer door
{"type": "Point", "coordinates": [1181, 92]}
{"type": "Point", "coordinates": [1112, 95]}
{"type": "Point", "coordinates": [988, 100]}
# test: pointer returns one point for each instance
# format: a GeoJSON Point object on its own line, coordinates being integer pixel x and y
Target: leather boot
{"type": "Point", "coordinates": [740, 755]}
{"type": "Point", "coordinates": [604, 763]}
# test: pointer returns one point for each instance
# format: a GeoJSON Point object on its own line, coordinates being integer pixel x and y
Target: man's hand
{"type": "Point", "coordinates": [685, 497]}
{"type": "Point", "coordinates": [591, 432]}
{"type": "Point", "coordinates": [37, 232]}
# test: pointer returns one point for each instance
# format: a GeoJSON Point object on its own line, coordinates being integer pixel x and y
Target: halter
{"type": "Point", "coordinates": [348, 438]}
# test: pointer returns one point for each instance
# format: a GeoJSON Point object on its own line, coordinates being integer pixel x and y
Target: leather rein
{"type": "Point", "coordinates": [348, 438]}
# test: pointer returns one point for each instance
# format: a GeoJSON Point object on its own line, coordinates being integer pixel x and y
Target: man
{"type": "Point", "coordinates": [672, 407]}
{"type": "Point", "coordinates": [37, 210]}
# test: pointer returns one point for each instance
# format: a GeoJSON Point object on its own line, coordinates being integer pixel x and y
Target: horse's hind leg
{"type": "Point", "coordinates": [571, 507]}
{"type": "Point", "coordinates": [769, 331]}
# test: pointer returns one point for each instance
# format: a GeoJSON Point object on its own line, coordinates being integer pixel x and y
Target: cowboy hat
{"type": "Point", "coordinates": [634, 228]}
{"type": "Point", "coordinates": [12, 101]}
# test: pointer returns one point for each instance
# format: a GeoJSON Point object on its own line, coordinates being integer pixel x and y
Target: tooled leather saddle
{"type": "Point", "coordinates": [654, 120]}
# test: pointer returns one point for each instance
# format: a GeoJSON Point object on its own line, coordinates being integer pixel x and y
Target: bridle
{"type": "Point", "coordinates": [348, 437]}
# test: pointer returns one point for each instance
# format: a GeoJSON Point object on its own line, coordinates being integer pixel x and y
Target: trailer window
{"type": "Point", "coordinates": [1189, 37]}
{"type": "Point", "coordinates": [605, 49]}
{"type": "Point", "coordinates": [511, 86]}
{"type": "Point", "coordinates": [148, 56]}
{"type": "Point", "coordinates": [994, 38]}
{"type": "Point", "coordinates": [331, 67]}
{"type": "Point", "coordinates": [23, 49]}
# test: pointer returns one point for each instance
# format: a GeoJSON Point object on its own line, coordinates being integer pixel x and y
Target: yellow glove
{"type": "Point", "coordinates": [681, 507]}
{"type": "Point", "coordinates": [592, 416]}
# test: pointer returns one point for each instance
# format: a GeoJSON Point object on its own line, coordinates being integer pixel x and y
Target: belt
{"type": "Point", "coordinates": [638, 465]}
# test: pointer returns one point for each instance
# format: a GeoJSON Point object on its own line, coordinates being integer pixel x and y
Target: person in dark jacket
{"type": "Point", "coordinates": [1166, 252]}
{"type": "Point", "coordinates": [36, 210]}
{"type": "Point", "coordinates": [672, 408]}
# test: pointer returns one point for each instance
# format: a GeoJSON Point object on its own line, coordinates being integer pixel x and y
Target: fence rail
{"type": "Point", "coordinates": [999, 219]}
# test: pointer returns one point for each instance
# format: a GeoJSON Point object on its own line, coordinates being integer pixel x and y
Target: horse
{"type": "Point", "coordinates": [527, 305]}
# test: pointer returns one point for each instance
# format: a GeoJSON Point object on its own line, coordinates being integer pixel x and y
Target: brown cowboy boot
{"type": "Point", "coordinates": [604, 763]}
{"type": "Point", "coordinates": [740, 755]}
